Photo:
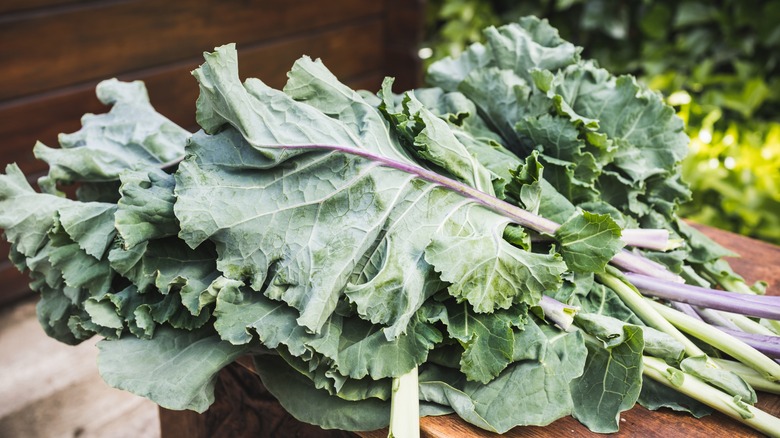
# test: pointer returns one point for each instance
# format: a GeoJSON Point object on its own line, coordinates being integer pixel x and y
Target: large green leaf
{"type": "Point", "coordinates": [27, 227]}
{"type": "Point", "coordinates": [528, 392]}
{"type": "Point", "coordinates": [132, 134]}
{"type": "Point", "coordinates": [308, 227]}
{"type": "Point", "coordinates": [145, 210]}
{"type": "Point", "coordinates": [588, 241]}
{"type": "Point", "coordinates": [178, 370]}
{"type": "Point", "coordinates": [303, 401]}
{"type": "Point", "coordinates": [611, 381]}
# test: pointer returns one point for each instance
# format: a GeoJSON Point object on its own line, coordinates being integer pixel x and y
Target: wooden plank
{"type": "Point", "coordinates": [16, 6]}
{"type": "Point", "coordinates": [15, 284]}
{"type": "Point", "coordinates": [756, 260]}
{"type": "Point", "coordinates": [350, 51]}
{"type": "Point", "coordinates": [405, 24]}
{"type": "Point", "coordinates": [48, 52]}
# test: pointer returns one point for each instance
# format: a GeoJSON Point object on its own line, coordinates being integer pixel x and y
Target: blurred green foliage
{"type": "Point", "coordinates": [717, 63]}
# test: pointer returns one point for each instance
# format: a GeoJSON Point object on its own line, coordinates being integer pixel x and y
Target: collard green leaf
{"type": "Point", "coordinates": [528, 392]}
{"type": "Point", "coordinates": [531, 44]}
{"type": "Point", "coordinates": [132, 134]}
{"type": "Point", "coordinates": [178, 370]}
{"type": "Point", "coordinates": [487, 271]}
{"type": "Point", "coordinates": [78, 269]}
{"type": "Point", "coordinates": [303, 401]}
{"type": "Point", "coordinates": [90, 225]}
{"type": "Point", "coordinates": [611, 381]}
{"type": "Point", "coordinates": [145, 210]}
{"type": "Point", "coordinates": [53, 310]}
{"type": "Point", "coordinates": [655, 395]}
{"type": "Point", "coordinates": [27, 227]}
{"type": "Point", "coordinates": [242, 313]}
{"type": "Point", "coordinates": [588, 241]}
{"type": "Point", "coordinates": [318, 220]}
{"type": "Point", "coordinates": [323, 376]}
{"type": "Point", "coordinates": [489, 339]}
{"type": "Point", "coordinates": [364, 350]}
{"type": "Point", "coordinates": [611, 331]}
{"type": "Point", "coordinates": [168, 265]}
{"type": "Point", "coordinates": [703, 368]}
{"type": "Point", "coordinates": [652, 136]}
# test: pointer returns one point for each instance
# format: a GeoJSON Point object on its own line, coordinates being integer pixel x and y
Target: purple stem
{"type": "Point", "coordinates": [635, 263]}
{"type": "Point", "coordinates": [769, 345]}
{"type": "Point", "coordinates": [712, 317]}
{"type": "Point", "coordinates": [688, 310]}
{"type": "Point", "coordinates": [752, 305]}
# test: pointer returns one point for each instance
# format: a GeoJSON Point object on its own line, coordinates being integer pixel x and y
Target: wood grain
{"type": "Point", "coordinates": [350, 51]}
{"type": "Point", "coordinates": [45, 52]}
{"type": "Point", "coordinates": [32, 6]}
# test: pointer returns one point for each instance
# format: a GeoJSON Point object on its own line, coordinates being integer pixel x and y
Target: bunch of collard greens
{"type": "Point", "coordinates": [346, 238]}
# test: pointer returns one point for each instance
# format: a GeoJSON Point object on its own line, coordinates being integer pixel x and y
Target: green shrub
{"type": "Point", "coordinates": [717, 63]}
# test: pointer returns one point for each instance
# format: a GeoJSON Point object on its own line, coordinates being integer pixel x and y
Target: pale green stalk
{"type": "Point", "coordinates": [639, 305]}
{"type": "Point", "coordinates": [749, 375]}
{"type": "Point", "coordinates": [405, 407]}
{"type": "Point", "coordinates": [720, 340]}
{"type": "Point", "coordinates": [747, 325]}
{"type": "Point", "coordinates": [697, 389]}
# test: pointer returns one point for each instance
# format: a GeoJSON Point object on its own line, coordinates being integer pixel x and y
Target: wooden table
{"type": "Point", "coordinates": [243, 408]}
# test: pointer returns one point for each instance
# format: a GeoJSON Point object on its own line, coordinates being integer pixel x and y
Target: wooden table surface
{"type": "Point", "coordinates": [244, 409]}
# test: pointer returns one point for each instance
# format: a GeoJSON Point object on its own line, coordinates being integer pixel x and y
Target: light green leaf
{"type": "Point", "coordinates": [132, 134]}
{"type": "Point", "coordinates": [432, 140]}
{"type": "Point", "coordinates": [655, 395]}
{"type": "Point", "coordinates": [611, 381]}
{"type": "Point", "coordinates": [528, 392]}
{"type": "Point", "coordinates": [26, 227]}
{"type": "Point", "coordinates": [145, 210]}
{"type": "Point", "coordinates": [588, 241]}
{"type": "Point", "coordinates": [488, 339]}
{"type": "Point", "coordinates": [612, 332]}
{"type": "Point", "coordinates": [487, 271]}
{"type": "Point", "coordinates": [364, 350]}
{"type": "Point", "coordinates": [79, 269]}
{"type": "Point", "coordinates": [303, 401]}
{"type": "Point", "coordinates": [168, 265]}
{"type": "Point", "coordinates": [179, 368]}
{"type": "Point", "coordinates": [703, 368]}
{"type": "Point", "coordinates": [242, 313]}
{"type": "Point", "coordinates": [90, 224]}
{"type": "Point", "coordinates": [323, 376]}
